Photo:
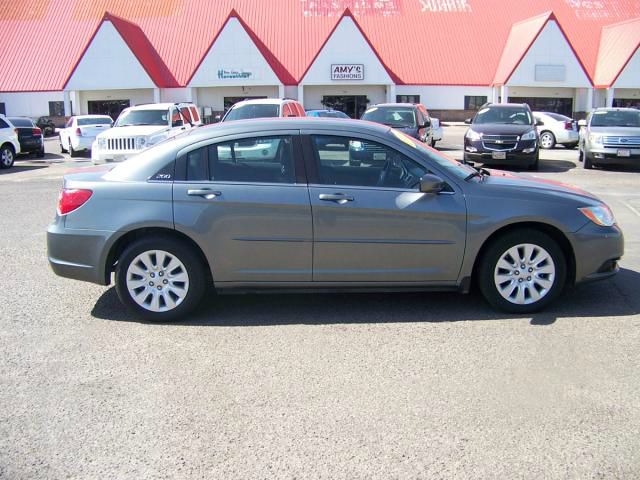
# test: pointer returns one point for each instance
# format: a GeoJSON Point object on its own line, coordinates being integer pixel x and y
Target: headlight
{"type": "Point", "coordinates": [141, 142]}
{"type": "Point", "coordinates": [473, 135]}
{"type": "Point", "coordinates": [530, 135]}
{"type": "Point", "coordinates": [102, 142]}
{"type": "Point", "coordinates": [593, 138]}
{"type": "Point", "coordinates": [600, 215]}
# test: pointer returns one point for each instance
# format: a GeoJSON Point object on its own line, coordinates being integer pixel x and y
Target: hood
{"type": "Point", "coordinates": [501, 128]}
{"type": "Point", "coordinates": [617, 131]}
{"type": "Point", "coordinates": [501, 179]}
{"type": "Point", "coordinates": [133, 131]}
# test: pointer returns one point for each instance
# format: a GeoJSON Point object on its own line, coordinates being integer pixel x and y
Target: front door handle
{"type": "Point", "coordinates": [203, 192]}
{"type": "Point", "coordinates": [340, 198]}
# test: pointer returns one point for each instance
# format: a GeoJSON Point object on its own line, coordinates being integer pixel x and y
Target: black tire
{"type": "Point", "coordinates": [570, 146]}
{"type": "Point", "coordinates": [62, 150]}
{"type": "Point", "coordinates": [40, 153]}
{"type": "Point", "coordinates": [580, 155]}
{"type": "Point", "coordinates": [433, 143]}
{"type": "Point", "coordinates": [7, 156]}
{"type": "Point", "coordinates": [72, 152]}
{"type": "Point", "coordinates": [551, 137]}
{"type": "Point", "coordinates": [499, 247]}
{"type": "Point", "coordinates": [192, 262]}
{"type": "Point", "coordinates": [536, 164]}
{"type": "Point", "coordinates": [586, 162]}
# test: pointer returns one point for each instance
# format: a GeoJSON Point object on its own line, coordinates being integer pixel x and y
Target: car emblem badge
{"type": "Point", "coordinates": [499, 141]}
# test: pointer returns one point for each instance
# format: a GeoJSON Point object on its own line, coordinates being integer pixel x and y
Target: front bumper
{"type": "Point", "coordinates": [475, 151]}
{"type": "Point", "coordinates": [78, 254]}
{"type": "Point", "coordinates": [612, 156]}
{"type": "Point", "coordinates": [107, 156]}
{"type": "Point", "coordinates": [597, 251]}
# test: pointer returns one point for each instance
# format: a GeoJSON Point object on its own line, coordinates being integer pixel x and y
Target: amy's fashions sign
{"type": "Point", "coordinates": [347, 71]}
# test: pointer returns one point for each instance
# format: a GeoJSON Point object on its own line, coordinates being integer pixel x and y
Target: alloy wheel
{"type": "Point", "coordinates": [7, 157]}
{"type": "Point", "coordinates": [524, 274]}
{"type": "Point", "coordinates": [546, 140]}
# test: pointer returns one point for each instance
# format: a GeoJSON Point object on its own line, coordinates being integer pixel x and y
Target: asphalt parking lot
{"type": "Point", "coordinates": [314, 386]}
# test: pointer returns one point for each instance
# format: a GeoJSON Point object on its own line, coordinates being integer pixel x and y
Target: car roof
{"type": "Point", "coordinates": [157, 106]}
{"type": "Point", "coordinates": [505, 105]}
{"type": "Point", "coordinates": [264, 101]}
{"type": "Point", "coordinates": [394, 104]}
{"type": "Point", "coordinates": [616, 109]}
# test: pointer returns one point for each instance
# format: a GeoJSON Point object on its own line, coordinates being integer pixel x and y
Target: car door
{"type": "Point", "coordinates": [244, 199]}
{"type": "Point", "coordinates": [370, 222]}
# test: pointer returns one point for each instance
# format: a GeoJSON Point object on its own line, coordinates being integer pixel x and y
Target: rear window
{"type": "Point", "coordinates": [93, 121]}
{"type": "Point", "coordinates": [396, 117]}
{"type": "Point", "coordinates": [21, 122]}
{"type": "Point", "coordinates": [252, 110]}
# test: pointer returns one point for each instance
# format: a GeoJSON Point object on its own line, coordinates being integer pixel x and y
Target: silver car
{"type": "Point", "coordinates": [556, 129]}
{"type": "Point", "coordinates": [301, 214]}
{"type": "Point", "coordinates": [610, 136]}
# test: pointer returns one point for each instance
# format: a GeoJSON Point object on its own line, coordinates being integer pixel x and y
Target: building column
{"type": "Point", "coordinates": [494, 94]}
{"type": "Point", "coordinates": [281, 91]}
{"type": "Point", "coordinates": [67, 103]}
{"type": "Point", "coordinates": [589, 105]}
{"type": "Point", "coordinates": [504, 94]}
{"type": "Point", "coordinates": [301, 94]}
{"type": "Point", "coordinates": [156, 95]}
{"type": "Point", "coordinates": [611, 93]}
{"type": "Point", "coordinates": [391, 93]}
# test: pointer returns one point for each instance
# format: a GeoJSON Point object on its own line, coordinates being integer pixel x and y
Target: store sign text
{"type": "Point", "coordinates": [347, 71]}
{"type": "Point", "coordinates": [229, 74]}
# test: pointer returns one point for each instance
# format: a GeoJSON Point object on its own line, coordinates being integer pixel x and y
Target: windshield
{"type": "Point", "coordinates": [21, 122]}
{"type": "Point", "coordinates": [453, 167]}
{"type": "Point", "coordinates": [397, 117]}
{"type": "Point", "coordinates": [143, 117]}
{"type": "Point", "coordinates": [615, 118]}
{"type": "Point", "coordinates": [504, 115]}
{"type": "Point", "coordinates": [93, 121]}
{"type": "Point", "coordinates": [252, 110]}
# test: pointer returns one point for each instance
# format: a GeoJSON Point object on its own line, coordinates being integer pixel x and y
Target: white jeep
{"type": "Point", "coordinates": [138, 128]}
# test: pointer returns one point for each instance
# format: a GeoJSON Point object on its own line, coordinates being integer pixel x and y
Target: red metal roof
{"type": "Point", "coordinates": [437, 42]}
{"type": "Point", "coordinates": [140, 46]}
{"type": "Point", "coordinates": [618, 43]}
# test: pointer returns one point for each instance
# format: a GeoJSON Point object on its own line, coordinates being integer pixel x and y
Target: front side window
{"type": "Point", "coordinates": [504, 115]}
{"type": "Point", "coordinates": [363, 163]}
{"type": "Point", "coordinates": [142, 117]}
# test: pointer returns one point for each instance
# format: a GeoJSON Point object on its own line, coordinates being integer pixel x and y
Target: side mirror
{"type": "Point", "coordinates": [217, 118]}
{"type": "Point", "coordinates": [427, 123]}
{"type": "Point", "coordinates": [582, 123]}
{"type": "Point", "coordinates": [468, 121]}
{"type": "Point", "coordinates": [539, 123]}
{"type": "Point", "coordinates": [430, 183]}
{"type": "Point", "coordinates": [177, 123]}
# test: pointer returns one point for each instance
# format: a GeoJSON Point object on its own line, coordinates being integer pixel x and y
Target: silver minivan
{"type": "Point", "coordinates": [291, 204]}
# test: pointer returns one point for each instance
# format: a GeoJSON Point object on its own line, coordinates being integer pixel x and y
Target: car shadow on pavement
{"type": "Point", "coordinates": [611, 298]}
{"type": "Point", "coordinates": [16, 168]}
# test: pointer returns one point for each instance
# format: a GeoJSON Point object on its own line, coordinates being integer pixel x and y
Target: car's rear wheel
{"type": "Point", "coordinates": [72, 152]}
{"type": "Point", "coordinates": [62, 149]}
{"type": "Point", "coordinates": [547, 140]}
{"type": "Point", "coordinates": [7, 156]}
{"type": "Point", "coordinates": [160, 278]}
{"type": "Point", "coordinates": [522, 271]}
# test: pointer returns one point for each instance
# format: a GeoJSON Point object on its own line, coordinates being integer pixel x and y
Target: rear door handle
{"type": "Point", "coordinates": [203, 192]}
{"type": "Point", "coordinates": [340, 198]}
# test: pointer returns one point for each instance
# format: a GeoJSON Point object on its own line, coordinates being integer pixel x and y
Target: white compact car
{"type": "Point", "coordinates": [556, 129]}
{"type": "Point", "coordinates": [9, 144]}
{"type": "Point", "coordinates": [138, 128]}
{"type": "Point", "coordinates": [436, 131]}
{"type": "Point", "coordinates": [80, 132]}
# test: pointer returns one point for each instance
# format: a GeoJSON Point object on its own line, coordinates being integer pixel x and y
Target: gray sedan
{"type": "Point", "coordinates": [290, 204]}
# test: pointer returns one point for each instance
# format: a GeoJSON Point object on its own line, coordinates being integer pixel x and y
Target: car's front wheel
{"type": "Point", "coordinates": [522, 271]}
{"type": "Point", "coordinates": [160, 278]}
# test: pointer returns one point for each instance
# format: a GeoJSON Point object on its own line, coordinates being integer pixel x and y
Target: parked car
{"type": "Point", "coordinates": [29, 136]}
{"type": "Point", "coordinates": [436, 131]}
{"type": "Point", "coordinates": [556, 129]}
{"type": "Point", "coordinates": [47, 126]}
{"type": "Point", "coordinates": [503, 134]}
{"type": "Point", "coordinates": [188, 215]}
{"type": "Point", "coordinates": [327, 113]}
{"type": "Point", "coordinates": [81, 131]}
{"type": "Point", "coordinates": [610, 136]}
{"type": "Point", "coordinates": [138, 128]}
{"type": "Point", "coordinates": [9, 144]}
{"type": "Point", "coordinates": [410, 118]}
{"type": "Point", "coordinates": [264, 108]}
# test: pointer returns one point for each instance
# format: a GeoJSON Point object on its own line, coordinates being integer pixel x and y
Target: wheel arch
{"type": "Point", "coordinates": [10, 145]}
{"type": "Point", "coordinates": [552, 231]}
{"type": "Point", "coordinates": [121, 244]}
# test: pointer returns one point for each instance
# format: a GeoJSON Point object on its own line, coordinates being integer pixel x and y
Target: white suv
{"type": "Point", "coordinates": [138, 128]}
{"type": "Point", "coordinates": [9, 145]}
{"type": "Point", "coordinates": [264, 108]}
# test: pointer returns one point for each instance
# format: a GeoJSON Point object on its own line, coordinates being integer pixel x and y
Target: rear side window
{"type": "Point", "coordinates": [262, 159]}
{"type": "Point", "coordinates": [3, 124]}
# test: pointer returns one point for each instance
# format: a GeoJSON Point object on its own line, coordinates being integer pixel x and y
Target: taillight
{"type": "Point", "coordinates": [71, 199]}
{"type": "Point", "coordinates": [36, 132]}
{"type": "Point", "coordinates": [568, 125]}
{"type": "Point", "coordinates": [78, 132]}
{"type": "Point", "coordinates": [15, 130]}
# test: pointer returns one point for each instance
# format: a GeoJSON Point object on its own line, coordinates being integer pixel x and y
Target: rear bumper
{"type": "Point", "coordinates": [31, 145]}
{"type": "Point", "coordinates": [78, 254]}
{"type": "Point", "coordinates": [567, 137]}
{"type": "Point", "coordinates": [597, 251]}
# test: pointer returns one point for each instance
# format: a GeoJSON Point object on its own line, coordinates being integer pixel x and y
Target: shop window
{"type": "Point", "coordinates": [408, 98]}
{"type": "Point", "coordinates": [3, 110]}
{"type": "Point", "coordinates": [56, 109]}
{"type": "Point", "coordinates": [563, 106]}
{"type": "Point", "coordinates": [107, 107]}
{"type": "Point", "coordinates": [626, 102]}
{"type": "Point", "coordinates": [474, 102]}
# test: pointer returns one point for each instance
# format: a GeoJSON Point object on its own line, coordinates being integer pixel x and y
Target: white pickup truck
{"type": "Point", "coordinates": [138, 128]}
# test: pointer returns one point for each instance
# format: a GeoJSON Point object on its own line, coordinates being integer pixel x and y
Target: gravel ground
{"type": "Point", "coordinates": [314, 386]}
